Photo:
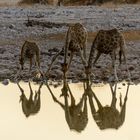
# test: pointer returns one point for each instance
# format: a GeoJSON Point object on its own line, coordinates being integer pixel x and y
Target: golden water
{"type": "Point", "coordinates": [50, 123]}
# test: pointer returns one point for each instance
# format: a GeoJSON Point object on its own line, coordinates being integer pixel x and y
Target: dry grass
{"type": "Point", "coordinates": [32, 2]}
{"type": "Point", "coordinates": [6, 4]}
{"type": "Point", "coordinates": [132, 1]}
{"type": "Point", "coordinates": [110, 4]}
{"type": "Point", "coordinates": [128, 35]}
{"type": "Point", "coordinates": [75, 3]}
{"type": "Point", "coordinates": [132, 35]}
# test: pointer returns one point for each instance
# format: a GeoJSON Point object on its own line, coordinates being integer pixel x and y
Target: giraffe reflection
{"type": "Point", "coordinates": [30, 106]}
{"type": "Point", "coordinates": [108, 116]}
{"type": "Point", "coordinates": [75, 114]}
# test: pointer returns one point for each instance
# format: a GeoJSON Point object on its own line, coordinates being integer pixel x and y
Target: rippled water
{"type": "Point", "coordinates": [50, 120]}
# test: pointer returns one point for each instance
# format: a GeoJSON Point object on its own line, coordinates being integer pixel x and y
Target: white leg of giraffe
{"type": "Point", "coordinates": [114, 99]}
{"type": "Point", "coordinates": [85, 50]}
{"type": "Point", "coordinates": [82, 57]}
{"type": "Point", "coordinates": [122, 47]}
{"type": "Point", "coordinates": [36, 63]}
{"type": "Point", "coordinates": [70, 60]}
{"type": "Point", "coordinates": [53, 60]}
{"type": "Point", "coordinates": [72, 98]}
{"type": "Point", "coordinates": [91, 56]}
{"type": "Point", "coordinates": [114, 65]}
{"type": "Point", "coordinates": [30, 65]}
{"type": "Point", "coordinates": [128, 72]}
{"type": "Point", "coordinates": [97, 57]}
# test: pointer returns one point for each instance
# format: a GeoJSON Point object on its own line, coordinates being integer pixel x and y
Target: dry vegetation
{"type": "Point", "coordinates": [33, 1]}
{"type": "Point", "coordinates": [79, 2]}
{"type": "Point", "coordinates": [128, 35]}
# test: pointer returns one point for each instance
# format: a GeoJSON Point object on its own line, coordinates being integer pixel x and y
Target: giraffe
{"type": "Point", "coordinates": [75, 114]}
{"type": "Point", "coordinates": [30, 106]}
{"type": "Point", "coordinates": [30, 51]}
{"type": "Point", "coordinates": [76, 39]}
{"type": "Point", "coordinates": [59, 2]}
{"type": "Point", "coordinates": [108, 116]}
{"type": "Point", "coordinates": [109, 42]}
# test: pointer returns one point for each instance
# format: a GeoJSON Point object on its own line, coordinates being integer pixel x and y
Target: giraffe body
{"type": "Point", "coordinates": [76, 39]}
{"type": "Point", "coordinates": [108, 42]}
{"type": "Point", "coordinates": [29, 51]}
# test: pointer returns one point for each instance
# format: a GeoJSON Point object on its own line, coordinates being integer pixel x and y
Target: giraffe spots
{"type": "Point", "coordinates": [108, 40]}
{"type": "Point", "coordinates": [77, 36]}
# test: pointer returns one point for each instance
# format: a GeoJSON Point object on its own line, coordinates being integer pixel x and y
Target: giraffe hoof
{"type": "Point", "coordinates": [61, 94]}
{"type": "Point", "coordinates": [38, 75]}
{"type": "Point", "coordinates": [112, 79]}
{"type": "Point", "coordinates": [64, 94]}
{"type": "Point", "coordinates": [130, 83]}
{"type": "Point", "coordinates": [47, 75]}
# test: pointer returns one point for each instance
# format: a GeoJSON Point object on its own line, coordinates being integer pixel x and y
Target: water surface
{"type": "Point", "coordinates": [50, 121]}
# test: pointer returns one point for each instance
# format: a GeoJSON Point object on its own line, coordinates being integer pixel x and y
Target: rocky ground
{"type": "Point", "coordinates": [51, 38]}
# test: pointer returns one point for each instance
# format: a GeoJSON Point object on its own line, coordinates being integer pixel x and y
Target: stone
{"type": "Point", "coordinates": [5, 82]}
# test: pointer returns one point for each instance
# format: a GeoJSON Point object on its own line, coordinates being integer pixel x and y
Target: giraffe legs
{"type": "Point", "coordinates": [97, 101]}
{"type": "Point", "coordinates": [37, 62]}
{"type": "Point", "coordinates": [70, 60]}
{"type": "Point", "coordinates": [114, 99]}
{"type": "Point", "coordinates": [36, 100]}
{"type": "Point", "coordinates": [72, 98]}
{"type": "Point", "coordinates": [22, 91]}
{"type": "Point", "coordinates": [128, 72]}
{"type": "Point", "coordinates": [30, 65]}
{"type": "Point", "coordinates": [114, 64]}
{"type": "Point", "coordinates": [85, 51]}
{"type": "Point", "coordinates": [31, 91]}
{"type": "Point", "coordinates": [122, 52]}
{"type": "Point", "coordinates": [83, 58]}
{"type": "Point", "coordinates": [39, 89]}
{"type": "Point", "coordinates": [123, 107]}
{"type": "Point", "coordinates": [53, 97]}
{"type": "Point", "coordinates": [97, 57]}
{"type": "Point", "coordinates": [85, 110]}
{"type": "Point", "coordinates": [53, 60]}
